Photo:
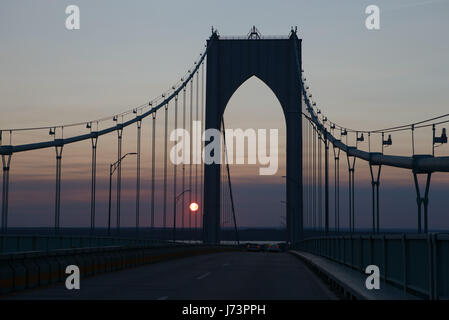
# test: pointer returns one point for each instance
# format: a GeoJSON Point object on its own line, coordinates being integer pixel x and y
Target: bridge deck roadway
{"type": "Point", "coordinates": [230, 275]}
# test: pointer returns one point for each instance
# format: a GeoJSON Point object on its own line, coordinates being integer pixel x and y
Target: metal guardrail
{"type": "Point", "coordinates": [19, 271]}
{"type": "Point", "coordinates": [418, 263]}
{"type": "Point", "coordinates": [25, 243]}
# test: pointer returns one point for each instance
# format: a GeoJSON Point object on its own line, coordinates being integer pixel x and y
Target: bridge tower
{"type": "Point", "coordinates": [230, 62]}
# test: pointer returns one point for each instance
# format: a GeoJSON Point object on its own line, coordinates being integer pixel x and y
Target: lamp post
{"type": "Point", "coordinates": [282, 218]}
{"type": "Point", "coordinates": [174, 214]}
{"type": "Point", "coordinates": [290, 210]}
{"type": "Point", "coordinates": [112, 168]}
{"type": "Point", "coordinates": [193, 207]}
{"type": "Point", "coordinates": [285, 219]}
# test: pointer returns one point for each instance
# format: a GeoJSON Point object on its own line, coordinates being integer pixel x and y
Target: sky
{"type": "Point", "coordinates": [126, 53]}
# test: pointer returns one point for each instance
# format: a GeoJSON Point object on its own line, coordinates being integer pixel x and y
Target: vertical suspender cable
{"type": "Point", "coordinates": [139, 129]}
{"type": "Point", "coordinates": [183, 151]}
{"type": "Point", "coordinates": [153, 164]}
{"type": "Point", "coordinates": [353, 196]}
{"type": "Point", "coordinates": [174, 172]}
{"type": "Point", "coordinates": [309, 172]}
{"type": "Point", "coordinates": [377, 201]}
{"type": "Point", "coordinates": [190, 162]}
{"type": "Point", "coordinates": [304, 157]}
{"type": "Point", "coordinates": [335, 190]}
{"type": "Point", "coordinates": [196, 165]}
{"type": "Point", "coordinates": [201, 158]}
{"type": "Point", "coordinates": [314, 177]}
{"type": "Point", "coordinates": [304, 178]}
{"type": "Point", "coordinates": [119, 172]}
{"type": "Point", "coordinates": [338, 191]}
{"type": "Point", "coordinates": [317, 172]}
{"type": "Point", "coordinates": [320, 182]}
{"type": "Point", "coordinates": [349, 194]}
{"type": "Point", "coordinates": [94, 141]}
{"type": "Point", "coordinates": [222, 189]}
{"type": "Point", "coordinates": [318, 157]}
{"type": "Point", "coordinates": [165, 167]}
{"type": "Point", "coordinates": [373, 199]}
{"type": "Point", "coordinates": [326, 182]}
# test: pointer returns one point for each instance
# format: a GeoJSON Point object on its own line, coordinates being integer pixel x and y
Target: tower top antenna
{"type": "Point", "coordinates": [254, 33]}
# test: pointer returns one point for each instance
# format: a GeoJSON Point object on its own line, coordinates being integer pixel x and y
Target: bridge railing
{"type": "Point", "coordinates": [25, 243]}
{"type": "Point", "coordinates": [418, 263]}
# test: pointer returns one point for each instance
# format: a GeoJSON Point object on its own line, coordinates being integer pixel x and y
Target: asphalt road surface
{"type": "Point", "coordinates": [231, 275]}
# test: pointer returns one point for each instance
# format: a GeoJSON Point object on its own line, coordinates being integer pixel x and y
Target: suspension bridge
{"type": "Point", "coordinates": [412, 265]}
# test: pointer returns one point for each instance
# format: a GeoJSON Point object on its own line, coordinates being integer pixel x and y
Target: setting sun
{"type": "Point", "coordinates": [193, 207]}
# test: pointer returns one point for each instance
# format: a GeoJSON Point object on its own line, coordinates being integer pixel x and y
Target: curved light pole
{"type": "Point", "coordinates": [112, 168]}
{"type": "Point", "coordinates": [174, 212]}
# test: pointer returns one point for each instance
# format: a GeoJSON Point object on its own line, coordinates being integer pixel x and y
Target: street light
{"type": "Point", "coordinates": [193, 207]}
{"type": "Point", "coordinates": [288, 207]}
{"type": "Point", "coordinates": [174, 214]}
{"type": "Point", "coordinates": [285, 219]}
{"type": "Point", "coordinates": [112, 168]}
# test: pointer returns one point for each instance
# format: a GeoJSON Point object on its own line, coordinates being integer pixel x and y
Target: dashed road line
{"type": "Point", "coordinates": [203, 276]}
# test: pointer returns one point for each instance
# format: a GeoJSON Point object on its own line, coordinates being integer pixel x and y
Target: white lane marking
{"type": "Point", "coordinates": [162, 298]}
{"type": "Point", "coordinates": [203, 276]}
